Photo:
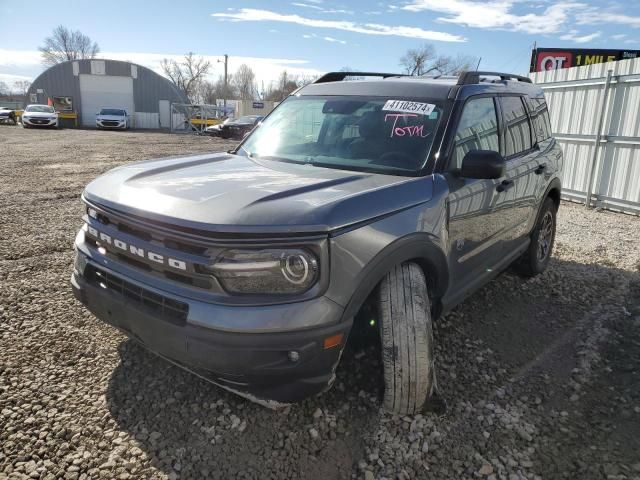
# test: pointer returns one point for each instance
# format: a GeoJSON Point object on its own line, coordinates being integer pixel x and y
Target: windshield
{"type": "Point", "coordinates": [385, 135]}
{"type": "Point", "coordinates": [112, 111]}
{"type": "Point", "coordinates": [39, 108]}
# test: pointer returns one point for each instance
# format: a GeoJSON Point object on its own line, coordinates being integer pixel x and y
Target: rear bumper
{"type": "Point", "coordinates": [255, 365]}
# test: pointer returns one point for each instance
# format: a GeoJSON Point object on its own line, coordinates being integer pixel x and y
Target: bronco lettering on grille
{"type": "Point", "coordinates": [135, 250]}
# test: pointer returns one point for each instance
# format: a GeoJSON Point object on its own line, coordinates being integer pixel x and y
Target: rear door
{"type": "Point", "coordinates": [523, 163]}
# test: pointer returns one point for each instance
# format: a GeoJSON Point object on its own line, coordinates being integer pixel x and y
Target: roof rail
{"type": "Point", "coordinates": [473, 77]}
{"type": "Point", "coordinates": [339, 76]}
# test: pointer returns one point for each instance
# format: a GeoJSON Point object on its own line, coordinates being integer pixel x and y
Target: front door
{"type": "Point", "coordinates": [479, 209]}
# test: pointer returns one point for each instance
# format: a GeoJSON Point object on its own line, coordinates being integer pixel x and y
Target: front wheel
{"type": "Point", "coordinates": [536, 258]}
{"type": "Point", "coordinates": [407, 339]}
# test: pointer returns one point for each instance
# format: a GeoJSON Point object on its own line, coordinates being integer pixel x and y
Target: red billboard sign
{"type": "Point", "coordinates": [555, 58]}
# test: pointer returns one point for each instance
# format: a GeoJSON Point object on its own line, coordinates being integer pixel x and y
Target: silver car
{"type": "Point", "coordinates": [117, 118]}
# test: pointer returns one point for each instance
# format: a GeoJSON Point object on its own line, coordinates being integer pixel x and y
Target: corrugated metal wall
{"type": "Point", "coordinates": [595, 114]}
{"type": "Point", "coordinates": [148, 87]}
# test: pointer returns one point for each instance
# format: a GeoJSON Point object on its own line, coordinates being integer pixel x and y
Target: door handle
{"type": "Point", "coordinates": [504, 185]}
{"type": "Point", "coordinates": [541, 168]}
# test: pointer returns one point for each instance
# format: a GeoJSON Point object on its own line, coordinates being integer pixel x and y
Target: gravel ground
{"type": "Point", "coordinates": [541, 376]}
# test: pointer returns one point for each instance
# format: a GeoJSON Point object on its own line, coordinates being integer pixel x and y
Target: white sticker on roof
{"type": "Point", "coordinates": [406, 106]}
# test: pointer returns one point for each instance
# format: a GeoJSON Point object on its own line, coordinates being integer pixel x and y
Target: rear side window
{"type": "Point", "coordinates": [477, 130]}
{"type": "Point", "coordinates": [517, 127]}
{"type": "Point", "coordinates": [540, 119]}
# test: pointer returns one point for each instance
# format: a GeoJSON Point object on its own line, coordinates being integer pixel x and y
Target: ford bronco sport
{"type": "Point", "coordinates": [248, 267]}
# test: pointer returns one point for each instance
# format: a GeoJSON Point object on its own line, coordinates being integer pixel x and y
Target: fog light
{"type": "Point", "coordinates": [294, 356]}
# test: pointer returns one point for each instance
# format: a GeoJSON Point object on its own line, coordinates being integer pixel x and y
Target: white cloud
{"type": "Point", "coordinates": [573, 36]}
{"type": "Point", "coordinates": [266, 69]}
{"type": "Point", "coordinates": [255, 15]}
{"type": "Point", "coordinates": [632, 42]}
{"type": "Point", "coordinates": [306, 5]}
{"type": "Point", "coordinates": [619, 36]}
{"type": "Point", "coordinates": [597, 17]}
{"type": "Point", "coordinates": [497, 14]}
{"type": "Point", "coordinates": [322, 9]}
{"type": "Point", "coordinates": [334, 40]}
{"type": "Point", "coordinates": [9, 78]}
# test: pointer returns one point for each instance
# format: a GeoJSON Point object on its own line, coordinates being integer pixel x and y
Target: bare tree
{"type": "Point", "coordinates": [283, 87]}
{"type": "Point", "coordinates": [424, 60]}
{"type": "Point", "coordinates": [206, 92]}
{"type": "Point", "coordinates": [225, 91]}
{"type": "Point", "coordinates": [65, 44]}
{"type": "Point", "coordinates": [22, 86]}
{"type": "Point", "coordinates": [457, 64]}
{"type": "Point", "coordinates": [417, 61]}
{"type": "Point", "coordinates": [4, 88]}
{"type": "Point", "coordinates": [187, 74]}
{"type": "Point", "coordinates": [244, 81]}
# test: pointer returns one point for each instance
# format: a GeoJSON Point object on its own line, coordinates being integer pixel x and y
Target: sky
{"type": "Point", "coordinates": [308, 37]}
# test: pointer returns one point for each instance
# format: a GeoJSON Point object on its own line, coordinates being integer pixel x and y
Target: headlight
{"type": "Point", "coordinates": [269, 271]}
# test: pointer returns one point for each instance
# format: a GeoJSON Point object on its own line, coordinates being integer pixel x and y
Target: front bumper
{"type": "Point", "coordinates": [40, 122]}
{"type": "Point", "coordinates": [256, 365]}
{"type": "Point", "coordinates": [111, 124]}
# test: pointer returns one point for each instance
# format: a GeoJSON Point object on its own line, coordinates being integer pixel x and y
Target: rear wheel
{"type": "Point", "coordinates": [407, 339]}
{"type": "Point", "coordinates": [536, 258]}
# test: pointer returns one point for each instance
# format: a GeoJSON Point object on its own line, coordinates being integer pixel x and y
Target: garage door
{"type": "Point", "coordinates": [97, 91]}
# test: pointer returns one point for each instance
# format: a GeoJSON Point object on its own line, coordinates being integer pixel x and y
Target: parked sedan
{"type": "Point", "coordinates": [113, 118]}
{"type": "Point", "coordinates": [39, 116]}
{"type": "Point", "coordinates": [7, 116]}
{"type": "Point", "coordinates": [236, 128]}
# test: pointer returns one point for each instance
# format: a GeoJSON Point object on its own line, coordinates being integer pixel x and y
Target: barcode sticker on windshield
{"type": "Point", "coordinates": [406, 106]}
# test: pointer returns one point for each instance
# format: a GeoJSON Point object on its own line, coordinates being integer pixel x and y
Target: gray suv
{"type": "Point", "coordinates": [402, 195]}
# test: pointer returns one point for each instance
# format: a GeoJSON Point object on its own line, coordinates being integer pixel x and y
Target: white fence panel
{"type": "Point", "coordinates": [596, 118]}
{"type": "Point", "coordinates": [146, 120]}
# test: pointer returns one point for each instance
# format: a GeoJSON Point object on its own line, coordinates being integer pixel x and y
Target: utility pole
{"type": "Point", "coordinates": [226, 82]}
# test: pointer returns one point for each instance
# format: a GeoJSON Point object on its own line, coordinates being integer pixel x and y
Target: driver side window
{"type": "Point", "coordinates": [477, 130]}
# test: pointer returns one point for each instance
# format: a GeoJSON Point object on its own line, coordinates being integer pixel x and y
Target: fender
{"type": "Point", "coordinates": [554, 184]}
{"type": "Point", "coordinates": [419, 247]}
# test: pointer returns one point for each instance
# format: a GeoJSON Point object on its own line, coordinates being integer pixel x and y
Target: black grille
{"type": "Point", "coordinates": [166, 308]}
{"type": "Point", "coordinates": [39, 122]}
{"type": "Point", "coordinates": [110, 123]}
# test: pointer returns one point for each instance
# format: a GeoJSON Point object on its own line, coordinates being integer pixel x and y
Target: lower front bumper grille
{"type": "Point", "coordinates": [171, 310]}
{"type": "Point", "coordinates": [110, 123]}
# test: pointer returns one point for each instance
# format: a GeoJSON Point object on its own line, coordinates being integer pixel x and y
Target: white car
{"type": "Point", "coordinates": [39, 116]}
{"type": "Point", "coordinates": [109, 117]}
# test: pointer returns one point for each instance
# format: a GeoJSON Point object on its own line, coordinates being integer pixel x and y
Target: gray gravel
{"type": "Point", "coordinates": [541, 376]}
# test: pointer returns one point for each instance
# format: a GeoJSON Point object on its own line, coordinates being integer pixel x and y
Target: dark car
{"type": "Point", "coordinates": [236, 128]}
{"type": "Point", "coordinates": [8, 115]}
{"type": "Point", "coordinates": [380, 202]}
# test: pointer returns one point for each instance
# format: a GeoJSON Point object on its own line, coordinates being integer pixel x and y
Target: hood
{"type": "Point", "coordinates": [230, 193]}
{"type": "Point", "coordinates": [39, 114]}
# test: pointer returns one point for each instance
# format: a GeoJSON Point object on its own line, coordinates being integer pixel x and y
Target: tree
{"type": "Point", "coordinates": [222, 91]}
{"type": "Point", "coordinates": [21, 86]}
{"type": "Point", "coordinates": [416, 61]}
{"type": "Point", "coordinates": [187, 74]}
{"type": "Point", "coordinates": [65, 44]}
{"type": "Point", "coordinates": [207, 92]}
{"type": "Point", "coordinates": [4, 88]}
{"type": "Point", "coordinates": [424, 60]}
{"type": "Point", "coordinates": [283, 87]}
{"type": "Point", "coordinates": [244, 81]}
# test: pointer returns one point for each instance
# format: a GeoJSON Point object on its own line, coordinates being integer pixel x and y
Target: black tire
{"type": "Point", "coordinates": [407, 339]}
{"type": "Point", "coordinates": [536, 258]}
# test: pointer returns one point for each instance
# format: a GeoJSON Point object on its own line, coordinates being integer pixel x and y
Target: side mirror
{"type": "Point", "coordinates": [485, 164]}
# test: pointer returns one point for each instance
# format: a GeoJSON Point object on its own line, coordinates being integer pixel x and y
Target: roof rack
{"type": "Point", "coordinates": [473, 77]}
{"type": "Point", "coordinates": [339, 76]}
